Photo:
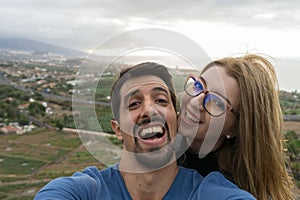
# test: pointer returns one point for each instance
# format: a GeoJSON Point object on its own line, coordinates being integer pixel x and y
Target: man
{"type": "Point", "coordinates": [144, 108]}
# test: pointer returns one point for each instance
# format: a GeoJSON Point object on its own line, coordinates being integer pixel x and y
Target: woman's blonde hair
{"type": "Point", "coordinates": [255, 157]}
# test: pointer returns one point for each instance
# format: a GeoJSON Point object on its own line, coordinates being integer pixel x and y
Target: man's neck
{"type": "Point", "coordinates": [150, 185]}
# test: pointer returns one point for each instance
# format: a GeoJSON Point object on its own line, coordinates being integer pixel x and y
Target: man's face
{"type": "Point", "coordinates": [147, 118]}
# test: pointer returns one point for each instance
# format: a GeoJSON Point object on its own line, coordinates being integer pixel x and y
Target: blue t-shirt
{"type": "Point", "coordinates": [108, 184]}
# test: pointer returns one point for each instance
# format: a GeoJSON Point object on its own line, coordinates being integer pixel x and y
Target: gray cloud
{"type": "Point", "coordinates": [84, 23]}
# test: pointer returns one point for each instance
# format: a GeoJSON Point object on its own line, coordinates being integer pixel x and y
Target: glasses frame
{"type": "Point", "coordinates": [206, 92]}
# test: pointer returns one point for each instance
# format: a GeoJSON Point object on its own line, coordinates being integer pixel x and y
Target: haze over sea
{"type": "Point", "coordinates": [220, 27]}
{"type": "Point", "coordinates": [287, 69]}
{"type": "Point", "coordinates": [288, 73]}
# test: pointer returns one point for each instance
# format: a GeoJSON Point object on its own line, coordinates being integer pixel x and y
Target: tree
{"type": "Point", "coordinates": [36, 109]}
{"type": "Point", "coordinates": [59, 124]}
{"type": "Point", "coordinates": [23, 120]}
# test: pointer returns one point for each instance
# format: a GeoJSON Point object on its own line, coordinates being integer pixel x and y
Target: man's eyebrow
{"type": "Point", "coordinates": [130, 94]}
{"type": "Point", "coordinates": [160, 89]}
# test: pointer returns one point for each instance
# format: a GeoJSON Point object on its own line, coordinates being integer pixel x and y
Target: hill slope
{"type": "Point", "coordinates": [32, 45]}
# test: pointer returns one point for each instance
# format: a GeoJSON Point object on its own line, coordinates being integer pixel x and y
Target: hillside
{"type": "Point", "coordinates": [36, 46]}
{"type": "Point", "coordinates": [31, 160]}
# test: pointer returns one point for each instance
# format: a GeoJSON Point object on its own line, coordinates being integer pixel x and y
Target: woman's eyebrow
{"type": "Point", "coordinates": [203, 81]}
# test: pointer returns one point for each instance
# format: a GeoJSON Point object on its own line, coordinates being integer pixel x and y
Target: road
{"type": "Point", "coordinates": [88, 132]}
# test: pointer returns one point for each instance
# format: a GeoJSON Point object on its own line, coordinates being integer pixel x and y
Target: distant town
{"type": "Point", "coordinates": [38, 88]}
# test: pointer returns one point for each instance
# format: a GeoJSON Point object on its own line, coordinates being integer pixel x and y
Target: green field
{"type": "Point", "coordinates": [29, 161]}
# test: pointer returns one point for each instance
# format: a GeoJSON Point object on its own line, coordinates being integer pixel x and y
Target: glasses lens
{"type": "Point", "coordinates": [193, 87]}
{"type": "Point", "coordinates": [214, 104]}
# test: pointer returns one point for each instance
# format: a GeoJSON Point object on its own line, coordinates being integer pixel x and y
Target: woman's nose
{"type": "Point", "coordinates": [198, 102]}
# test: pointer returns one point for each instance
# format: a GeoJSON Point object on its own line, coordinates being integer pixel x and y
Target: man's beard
{"type": "Point", "coordinates": [156, 158]}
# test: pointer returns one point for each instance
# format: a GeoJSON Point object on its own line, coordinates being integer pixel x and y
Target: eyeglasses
{"type": "Point", "coordinates": [215, 104]}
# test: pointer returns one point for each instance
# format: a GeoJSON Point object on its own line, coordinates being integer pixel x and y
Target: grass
{"type": "Point", "coordinates": [18, 166]}
{"type": "Point", "coordinates": [44, 146]}
{"type": "Point", "coordinates": [81, 157]}
{"type": "Point", "coordinates": [20, 190]}
{"type": "Point", "coordinates": [31, 160]}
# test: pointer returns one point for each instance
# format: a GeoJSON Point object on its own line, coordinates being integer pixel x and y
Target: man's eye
{"type": "Point", "coordinates": [134, 105]}
{"type": "Point", "coordinates": [161, 101]}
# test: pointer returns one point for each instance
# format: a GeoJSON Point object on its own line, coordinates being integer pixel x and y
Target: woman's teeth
{"type": "Point", "coordinates": [190, 117]}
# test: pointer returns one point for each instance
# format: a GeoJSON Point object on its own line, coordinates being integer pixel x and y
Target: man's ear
{"type": "Point", "coordinates": [116, 128]}
{"type": "Point", "coordinates": [178, 120]}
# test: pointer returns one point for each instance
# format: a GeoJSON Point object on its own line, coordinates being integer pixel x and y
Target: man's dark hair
{"type": "Point", "coordinates": [143, 69]}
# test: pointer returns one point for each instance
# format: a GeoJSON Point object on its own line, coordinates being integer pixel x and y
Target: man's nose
{"type": "Point", "coordinates": [149, 109]}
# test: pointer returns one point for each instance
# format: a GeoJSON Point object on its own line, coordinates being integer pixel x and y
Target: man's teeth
{"type": "Point", "coordinates": [191, 117]}
{"type": "Point", "coordinates": [148, 132]}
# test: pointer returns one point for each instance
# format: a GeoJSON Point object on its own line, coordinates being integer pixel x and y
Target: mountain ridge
{"type": "Point", "coordinates": [37, 46]}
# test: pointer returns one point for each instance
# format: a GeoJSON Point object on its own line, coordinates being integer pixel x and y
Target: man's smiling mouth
{"type": "Point", "coordinates": [153, 132]}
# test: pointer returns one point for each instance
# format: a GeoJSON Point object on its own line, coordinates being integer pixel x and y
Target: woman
{"type": "Point", "coordinates": [232, 114]}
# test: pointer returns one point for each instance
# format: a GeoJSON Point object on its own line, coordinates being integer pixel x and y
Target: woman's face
{"type": "Point", "coordinates": [205, 132]}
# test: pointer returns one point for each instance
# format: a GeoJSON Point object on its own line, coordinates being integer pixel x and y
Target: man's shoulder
{"type": "Point", "coordinates": [216, 186]}
{"type": "Point", "coordinates": [189, 177]}
{"type": "Point", "coordinates": [84, 185]}
{"type": "Point", "coordinates": [185, 184]}
{"type": "Point", "coordinates": [94, 172]}
{"type": "Point", "coordinates": [189, 172]}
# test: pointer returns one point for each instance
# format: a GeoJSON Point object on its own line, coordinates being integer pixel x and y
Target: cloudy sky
{"type": "Point", "coordinates": [220, 27]}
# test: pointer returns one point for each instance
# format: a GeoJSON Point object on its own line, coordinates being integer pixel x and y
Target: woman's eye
{"type": "Point", "coordinates": [219, 104]}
